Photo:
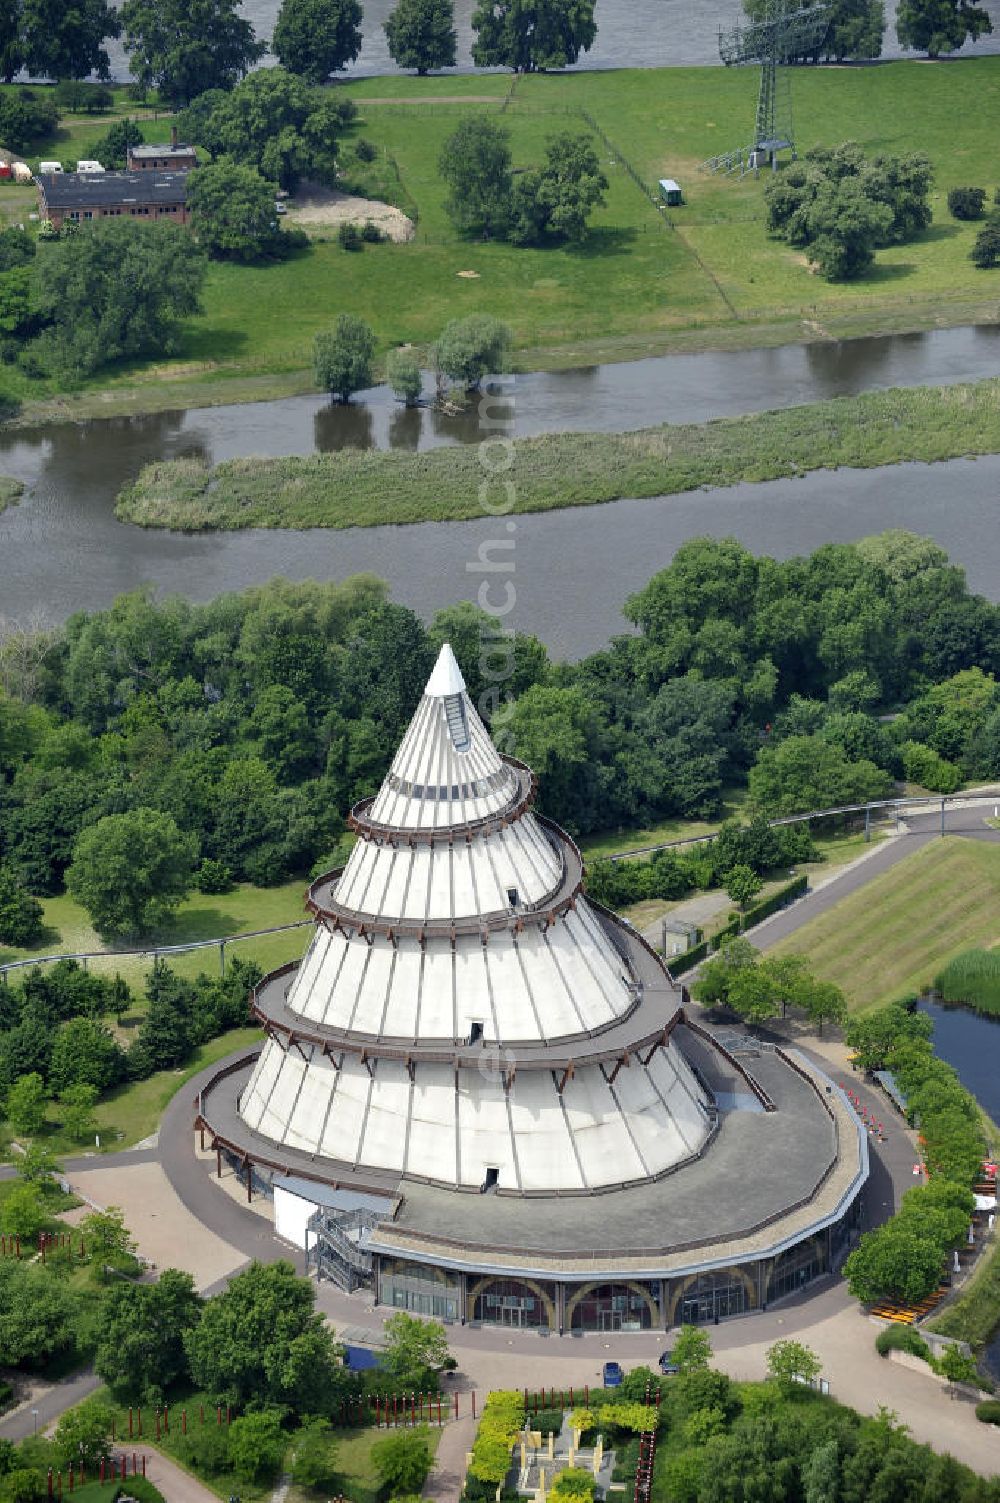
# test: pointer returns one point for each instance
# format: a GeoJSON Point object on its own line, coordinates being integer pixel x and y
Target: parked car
{"type": "Point", "coordinates": [279, 207]}
{"type": "Point", "coordinates": [613, 1374]}
{"type": "Point", "coordinates": [668, 1367]}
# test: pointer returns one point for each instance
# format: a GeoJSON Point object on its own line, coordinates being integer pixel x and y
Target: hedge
{"type": "Point", "coordinates": [738, 924]}
{"type": "Point", "coordinates": [678, 964]}
{"type": "Point", "coordinates": [784, 895]}
{"type": "Point", "coordinates": [989, 1412]}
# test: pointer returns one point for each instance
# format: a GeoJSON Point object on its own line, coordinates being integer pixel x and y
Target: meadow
{"type": "Point", "coordinates": [243, 909]}
{"type": "Point", "coordinates": [645, 280]}
{"type": "Point", "coordinates": [889, 939]}
{"type": "Point", "coordinates": [366, 488]}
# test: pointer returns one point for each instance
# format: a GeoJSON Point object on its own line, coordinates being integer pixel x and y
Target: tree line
{"type": "Point", "coordinates": [226, 741]}
{"type": "Point", "coordinates": [182, 50]}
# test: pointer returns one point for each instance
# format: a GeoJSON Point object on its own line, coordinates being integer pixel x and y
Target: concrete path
{"type": "Point", "coordinates": [447, 1475]}
{"type": "Point", "coordinates": [176, 1485]}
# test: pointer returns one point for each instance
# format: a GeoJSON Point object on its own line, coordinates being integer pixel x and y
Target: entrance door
{"type": "Point", "coordinates": [512, 1315]}
{"type": "Point", "coordinates": [609, 1320]}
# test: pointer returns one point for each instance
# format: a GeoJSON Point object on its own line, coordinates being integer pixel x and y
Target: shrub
{"type": "Point", "coordinates": [966, 203]}
{"type": "Point", "coordinates": [901, 1339]}
{"type": "Point", "coordinates": [365, 150]}
{"type": "Point", "coordinates": [213, 876]}
{"type": "Point", "coordinates": [349, 237]}
{"type": "Point", "coordinates": [402, 1462]}
{"type": "Point", "coordinates": [205, 1448]}
{"type": "Point", "coordinates": [923, 765]}
{"type": "Point", "coordinates": [547, 1421]}
{"type": "Point", "coordinates": [370, 233]}
{"type": "Point", "coordinates": [986, 251]}
{"type": "Point", "coordinates": [575, 1483]}
{"type": "Point", "coordinates": [988, 1412]}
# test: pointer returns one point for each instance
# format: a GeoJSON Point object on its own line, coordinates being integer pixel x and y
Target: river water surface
{"type": "Point", "coordinates": [62, 550]}
{"type": "Point", "coordinates": [630, 33]}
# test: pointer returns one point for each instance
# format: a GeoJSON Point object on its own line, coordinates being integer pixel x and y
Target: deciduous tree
{"type": "Point", "coordinates": [130, 871]}
{"type": "Point", "coordinates": [415, 1351]}
{"type": "Point", "coordinates": [261, 1339]}
{"type": "Point", "coordinates": [315, 38]}
{"type": "Point", "coordinates": [140, 1348]}
{"type": "Point", "coordinates": [66, 41]}
{"type": "Point", "coordinates": [790, 1362]}
{"type": "Point", "coordinates": [183, 47]}
{"type": "Point", "coordinates": [232, 213]}
{"type": "Point", "coordinates": [116, 290]}
{"type": "Point", "coordinates": [78, 1102]}
{"type": "Point", "coordinates": [26, 1103]}
{"type": "Point", "coordinates": [532, 34]}
{"type": "Point", "coordinates": [20, 914]}
{"type": "Point", "coordinates": [421, 34]}
{"type": "Point", "coordinates": [475, 164]}
{"type": "Point", "coordinates": [343, 357]}
{"type": "Point", "coordinates": [11, 40]}
{"type": "Point", "coordinates": [405, 376]}
{"type": "Point", "coordinates": [742, 885]}
{"type": "Point", "coordinates": [111, 149]}
{"type": "Point", "coordinates": [472, 347]}
{"type": "Point", "coordinates": [557, 198]}
{"type": "Point", "coordinates": [936, 26]}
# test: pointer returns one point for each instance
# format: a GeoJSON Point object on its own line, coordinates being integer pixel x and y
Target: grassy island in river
{"type": "Point", "coordinates": [367, 488]}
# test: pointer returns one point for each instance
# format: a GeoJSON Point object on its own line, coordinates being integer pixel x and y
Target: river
{"type": "Point", "coordinates": [62, 550]}
{"type": "Point", "coordinates": [630, 33]}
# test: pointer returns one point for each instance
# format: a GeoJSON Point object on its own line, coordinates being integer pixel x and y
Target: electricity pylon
{"type": "Point", "coordinates": [780, 35]}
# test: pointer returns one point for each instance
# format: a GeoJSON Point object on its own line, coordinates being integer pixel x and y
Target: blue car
{"type": "Point", "coordinates": [613, 1374]}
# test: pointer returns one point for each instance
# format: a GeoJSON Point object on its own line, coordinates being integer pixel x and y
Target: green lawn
{"type": "Point", "coordinates": [891, 937]}
{"type": "Point", "coordinates": [639, 284]}
{"type": "Point", "coordinates": [613, 842]}
{"type": "Point", "coordinates": [245, 908]}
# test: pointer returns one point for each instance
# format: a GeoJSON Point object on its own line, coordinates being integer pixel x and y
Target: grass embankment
{"type": "Point", "coordinates": [10, 490]}
{"type": "Point", "coordinates": [366, 488]}
{"type": "Point", "coordinates": [890, 938]}
{"type": "Point", "coordinates": [638, 286]}
{"type": "Point", "coordinates": [974, 1313]}
{"type": "Point", "coordinates": [245, 908]}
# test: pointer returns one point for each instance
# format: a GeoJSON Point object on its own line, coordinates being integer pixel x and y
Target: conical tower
{"type": "Point", "coordinates": [464, 1016]}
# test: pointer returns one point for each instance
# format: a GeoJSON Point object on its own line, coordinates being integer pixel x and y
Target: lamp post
{"type": "Point", "coordinates": [34, 1416]}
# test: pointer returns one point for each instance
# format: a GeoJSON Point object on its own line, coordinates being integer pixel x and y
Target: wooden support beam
{"type": "Point", "coordinates": [568, 1074]}
{"type": "Point", "coordinates": [622, 1060]}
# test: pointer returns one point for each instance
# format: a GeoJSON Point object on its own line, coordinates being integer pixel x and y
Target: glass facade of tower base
{"type": "Point", "coordinates": [510, 1302]}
